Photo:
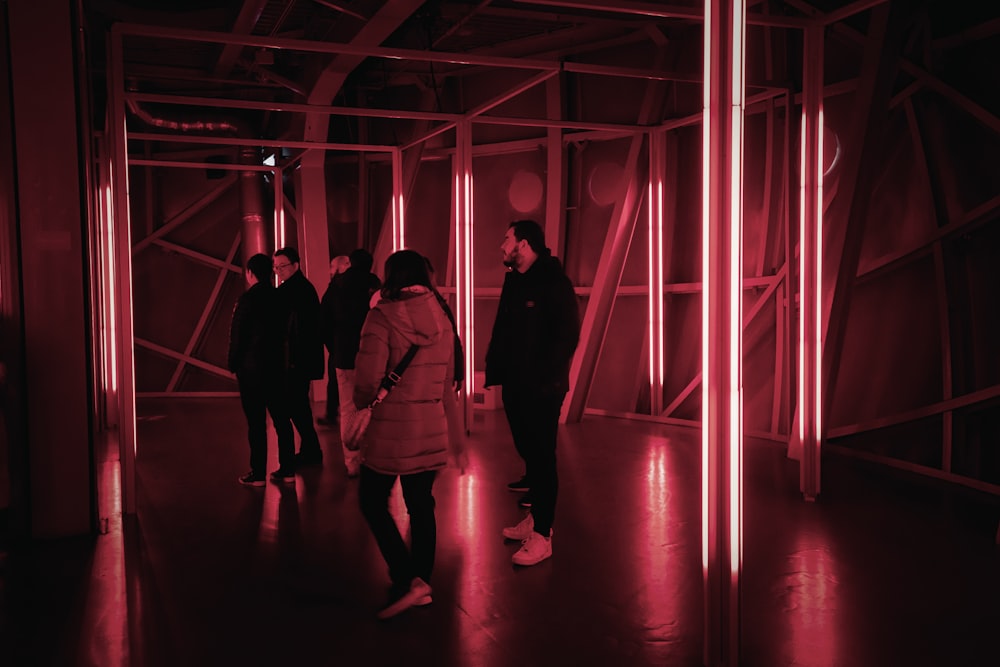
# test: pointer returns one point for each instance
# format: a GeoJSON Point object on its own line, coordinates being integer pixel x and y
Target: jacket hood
{"type": "Point", "coordinates": [417, 316]}
{"type": "Point", "coordinates": [546, 263]}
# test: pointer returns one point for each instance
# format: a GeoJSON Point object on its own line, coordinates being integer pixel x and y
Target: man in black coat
{"type": "Point", "coordinates": [534, 336]}
{"type": "Point", "coordinates": [253, 357]}
{"type": "Point", "coordinates": [301, 356]}
{"type": "Point", "coordinates": [327, 319]}
{"type": "Point", "coordinates": [350, 298]}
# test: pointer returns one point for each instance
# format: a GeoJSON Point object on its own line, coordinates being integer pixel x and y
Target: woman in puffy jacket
{"type": "Point", "coordinates": [408, 435]}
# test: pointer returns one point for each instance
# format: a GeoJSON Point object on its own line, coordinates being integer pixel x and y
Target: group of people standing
{"type": "Point", "coordinates": [368, 327]}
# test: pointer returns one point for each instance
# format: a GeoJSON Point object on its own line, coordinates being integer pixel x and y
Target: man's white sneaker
{"type": "Point", "coordinates": [534, 549]}
{"type": "Point", "coordinates": [521, 531]}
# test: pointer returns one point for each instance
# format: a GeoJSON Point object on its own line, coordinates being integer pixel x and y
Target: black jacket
{"type": "Point", "coordinates": [326, 314]}
{"type": "Point", "coordinates": [345, 307]}
{"type": "Point", "coordinates": [253, 336]}
{"type": "Point", "coordinates": [298, 315]}
{"type": "Point", "coordinates": [536, 329]}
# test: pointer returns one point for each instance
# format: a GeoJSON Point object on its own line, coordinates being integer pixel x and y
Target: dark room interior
{"type": "Point", "coordinates": [780, 444]}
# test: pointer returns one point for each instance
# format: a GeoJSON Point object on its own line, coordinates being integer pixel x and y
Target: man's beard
{"type": "Point", "coordinates": [510, 261]}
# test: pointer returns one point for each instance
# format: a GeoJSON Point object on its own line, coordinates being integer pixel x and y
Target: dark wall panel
{"type": "Point", "coordinates": [51, 218]}
{"type": "Point", "coordinates": [892, 350]}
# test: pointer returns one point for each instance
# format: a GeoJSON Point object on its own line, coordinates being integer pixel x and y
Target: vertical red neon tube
{"type": "Point", "coordinates": [464, 277]}
{"type": "Point", "coordinates": [279, 210]}
{"type": "Point", "coordinates": [722, 327]}
{"type": "Point", "coordinates": [654, 198]}
{"type": "Point", "coordinates": [111, 279]}
{"type": "Point", "coordinates": [706, 279]}
{"type": "Point", "coordinates": [811, 264]}
{"type": "Point", "coordinates": [735, 323]}
{"type": "Point", "coordinates": [651, 278]}
{"type": "Point", "coordinates": [398, 231]}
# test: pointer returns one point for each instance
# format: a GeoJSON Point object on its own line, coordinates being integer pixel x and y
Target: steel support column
{"type": "Point", "coordinates": [253, 230]}
{"type": "Point", "coordinates": [722, 413]}
{"type": "Point", "coordinates": [313, 242]}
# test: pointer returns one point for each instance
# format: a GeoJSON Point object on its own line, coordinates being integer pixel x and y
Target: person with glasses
{"type": "Point", "coordinates": [301, 358]}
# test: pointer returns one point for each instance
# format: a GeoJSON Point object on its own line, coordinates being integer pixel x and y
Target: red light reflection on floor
{"type": "Point", "coordinates": [655, 546]}
{"type": "Point", "coordinates": [106, 611]}
{"type": "Point", "coordinates": [476, 549]}
{"type": "Point", "coordinates": [810, 602]}
{"type": "Point", "coordinates": [267, 532]}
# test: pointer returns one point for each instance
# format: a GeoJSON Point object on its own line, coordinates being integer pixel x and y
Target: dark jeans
{"type": "Point", "coordinates": [258, 395]}
{"type": "Point", "coordinates": [373, 493]}
{"type": "Point", "coordinates": [534, 422]}
{"type": "Point", "coordinates": [298, 411]}
{"type": "Point", "coordinates": [332, 395]}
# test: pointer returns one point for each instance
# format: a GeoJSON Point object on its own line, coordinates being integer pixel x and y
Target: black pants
{"type": "Point", "coordinates": [298, 411]}
{"type": "Point", "coordinates": [258, 395]}
{"type": "Point", "coordinates": [332, 395]}
{"type": "Point", "coordinates": [373, 493]}
{"type": "Point", "coordinates": [534, 423]}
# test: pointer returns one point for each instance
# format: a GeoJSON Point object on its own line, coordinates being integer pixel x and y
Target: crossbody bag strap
{"type": "Point", "coordinates": [392, 378]}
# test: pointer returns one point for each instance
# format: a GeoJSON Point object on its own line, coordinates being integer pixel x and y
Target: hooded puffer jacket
{"type": "Point", "coordinates": [408, 431]}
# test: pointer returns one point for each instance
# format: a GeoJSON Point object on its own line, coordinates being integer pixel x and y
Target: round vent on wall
{"type": "Point", "coordinates": [605, 183]}
{"type": "Point", "coordinates": [525, 191]}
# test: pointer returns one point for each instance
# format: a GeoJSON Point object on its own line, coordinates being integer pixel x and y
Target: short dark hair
{"type": "Point", "coordinates": [288, 252]}
{"type": "Point", "coordinates": [260, 266]}
{"type": "Point", "coordinates": [404, 268]}
{"type": "Point", "coordinates": [530, 231]}
{"type": "Point", "coordinates": [361, 260]}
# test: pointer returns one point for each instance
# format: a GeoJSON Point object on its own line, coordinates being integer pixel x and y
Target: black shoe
{"type": "Point", "coordinates": [283, 475]}
{"type": "Point", "coordinates": [303, 459]}
{"type": "Point", "coordinates": [326, 421]}
{"type": "Point", "coordinates": [525, 500]}
{"type": "Point", "coordinates": [521, 485]}
{"type": "Point", "coordinates": [252, 479]}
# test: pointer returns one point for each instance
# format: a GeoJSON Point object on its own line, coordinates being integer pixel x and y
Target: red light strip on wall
{"type": "Point", "coordinates": [651, 277]}
{"type": "Point", "coordinates": [111, 281]}
{"type": "Point", "coordinates": [736, 292]}
{"type": "Point", "coordinates": [655, 269]}
{"type": "Point", "coordinates": [467, 264]}
{"type": "Point", "coordinates": [811, 264]}
{"type": "Point", "coordinates": [803, 196]}
{"type": "Point", "coordinates": [722, 326]}
{"type": "Point", "coordinates": [279, 211]}
{"type": "Point", "coordinates": [818, 333]}
{"type": "Point", "coordinates": [398, 232]}
{"type": "Point", "coordinates": [464, 279]}
{"type": "Point", "coordinates": [706, 280]}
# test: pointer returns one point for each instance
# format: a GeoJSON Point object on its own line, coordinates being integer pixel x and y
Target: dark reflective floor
{"type": "Point", "coordinates": [882, 570]}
